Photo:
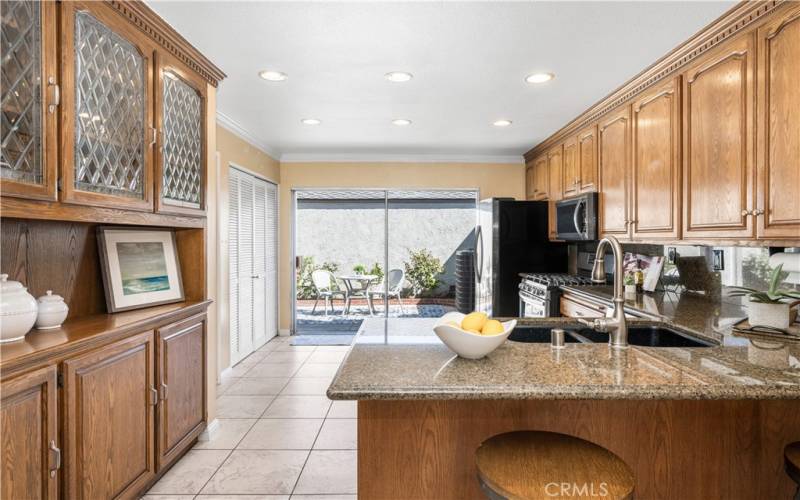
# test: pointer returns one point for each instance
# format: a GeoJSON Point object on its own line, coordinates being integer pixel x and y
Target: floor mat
{"type": "Point", "coordinates": [318, 339]}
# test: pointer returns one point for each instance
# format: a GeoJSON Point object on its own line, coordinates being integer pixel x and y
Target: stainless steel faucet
{"type": "Point", "coordinates": [616, 326]}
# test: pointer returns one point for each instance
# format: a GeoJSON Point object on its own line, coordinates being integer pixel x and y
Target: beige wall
{"type": "Point", "coordinates": [212, 282]}
{"type": "Point", "coordinates": [232, 150]}
{"type": "Point", "coordinates": [491, 179]}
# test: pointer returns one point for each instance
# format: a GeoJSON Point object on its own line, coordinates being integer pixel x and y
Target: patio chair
{"type": "Point", "coordinates": [396, 278]}
{"type": "Point", "coordinates": [323, 284]}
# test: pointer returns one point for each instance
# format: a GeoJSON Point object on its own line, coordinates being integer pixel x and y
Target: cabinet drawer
{"type": "Point", "coordinates": [573, 307]}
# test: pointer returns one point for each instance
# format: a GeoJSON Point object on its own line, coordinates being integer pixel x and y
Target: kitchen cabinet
{"type": "Point", "coordinates": [614, 147]}
{"type": "Point", "coordinates": [180, 353]}
{"type": "Point", "coordinates": [718, 142]}
{"type": "Point", "coordinates": [529, 182]}
{"type": "Point", "coordinates": [31, 456]}
{"type": "Point", "coordinates": [555, 160]}
{"type": "Point", "coordinates": [777, 208]}
{"type": "Point", "coordinates": [587, 159]}
{"type": "Point", "coordinates": [570, 179]}
{"type": "Point", "coordinates": [572, 306]}
{"type": "Point", "coordinates": [540, 178]}
{"type": "Point", "coordinates": [30, 96]}
{"type": "Point", "coordinates": [107, 135]}
{"type": "Point", "coordinates": [109, 401]}
{"type": "Point", "coordinates": [180, 152]}
{"type": "Point", "coordinates": [655, 183]}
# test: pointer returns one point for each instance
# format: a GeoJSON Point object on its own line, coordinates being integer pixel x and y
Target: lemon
{"type": "Point", "coordinates": [476, 332]}
{"type": "Point", "coordinates": [492, 327]}
{"type": "Point", "coordinates": [473, 321]}
{"type": "Point", "coordinates": [453, 323]}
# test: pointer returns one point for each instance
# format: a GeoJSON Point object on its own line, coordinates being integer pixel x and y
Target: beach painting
{"type": "Point", "coordinates": [143, 267]}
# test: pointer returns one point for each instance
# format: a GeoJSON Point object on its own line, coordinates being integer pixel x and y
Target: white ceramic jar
{"type": "Point", "coordinates": [18, 310]}
{"type": "Point", "coordinates": [52, 311]}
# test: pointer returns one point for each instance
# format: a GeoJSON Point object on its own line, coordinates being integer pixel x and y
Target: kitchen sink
{"type": "Point", "coordinates": [647, 336]}
{"type": "Point", "coordinates": [531, 334]}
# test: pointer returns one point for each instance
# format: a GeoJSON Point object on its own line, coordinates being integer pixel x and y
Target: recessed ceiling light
{"type": "Point", "coordinates": [539, 77]}
{"type": "Point", "coordinates": [502, 123]}
{"type": "Point", "coordinates": [273, 76]}
{"type": "Point", "coordinates": [398, 76]}
{"type": "Point", "coordinates": [311, 121]}
{"type": "Point", "coordinates": [402, 122]}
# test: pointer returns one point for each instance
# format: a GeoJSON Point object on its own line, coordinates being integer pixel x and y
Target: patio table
{"type": "Point", "coordinates": [363, 281]}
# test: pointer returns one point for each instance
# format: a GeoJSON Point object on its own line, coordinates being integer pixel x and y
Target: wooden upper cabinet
{"type": "Point", "coordinates": [30, 96]}
{"type": "Point", "coordinates": [587, 159]}
{"type": "Point", "coordinates": [540, 181]}
{"type": "Point", "coordinates": [615, 149]}
{"type": "Point", "coordinates": [109, 406]}
{"type": "Point", "coordinates": [181, 108]}
{"type": "Point", "coordinates": [181, 353]}
{"type": "Point", "coordinates": [778, 200]}
{"type": "Point", "coordinates": [570, 177]}
{"type": "Point", "coordinates": [555, 163]}
{"type": "Point", "coordinates": [718, 95]}
{"type": "Point", "coordinates": [529, 181]}
{"type": "Point", "coordinates": [31, 456]}
{"type": "Point", "coordinates": [107, 133]}
{"type": "Point", "coordinates": [655, 180]}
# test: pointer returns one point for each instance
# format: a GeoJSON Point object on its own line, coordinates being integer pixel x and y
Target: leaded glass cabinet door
{"type": "Point", "coordinates": [30, 98]}
{"type": "Point", "coordinates": [180, 153]}
{"type": "Point", "coordinates": [108, 118]}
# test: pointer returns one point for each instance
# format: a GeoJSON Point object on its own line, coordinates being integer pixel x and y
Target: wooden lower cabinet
{"type": "Point", "coordinates": [31, 456]}
{"type": "Point", "coordinates": [181, 351]}
{"type": "Point", "coordinates": [109, 420]}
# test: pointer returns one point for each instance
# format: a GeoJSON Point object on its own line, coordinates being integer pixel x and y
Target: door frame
{"type": "Point", "coordinates": [385, 190]}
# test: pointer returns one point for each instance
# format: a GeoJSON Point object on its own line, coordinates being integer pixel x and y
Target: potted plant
{"type": "Point", "coordinates": [770, 307]}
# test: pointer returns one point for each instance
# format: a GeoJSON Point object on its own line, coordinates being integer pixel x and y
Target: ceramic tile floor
{"type": "Point", "coordinates": [279, 436]}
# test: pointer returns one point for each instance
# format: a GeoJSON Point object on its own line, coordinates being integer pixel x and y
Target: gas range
{"type": "Point", "coordinates": [539, 293]}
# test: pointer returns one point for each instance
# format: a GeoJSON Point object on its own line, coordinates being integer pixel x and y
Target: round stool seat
{"type": "Point", "coordinates": [791, 457]}
{"type": "Point", "coordinates": [534, 464]}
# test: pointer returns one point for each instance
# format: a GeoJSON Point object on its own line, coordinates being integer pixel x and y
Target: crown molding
{"type": "Point", "coordinates": [740, 18]}
{"type": "Point", "coordinates": [399, 158]}
{"type": "Point", "coordinates": [234, 127]}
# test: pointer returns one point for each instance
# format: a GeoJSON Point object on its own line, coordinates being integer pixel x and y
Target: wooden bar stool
{"type": "Point", "coordinates": [547, 465]}
{"type": "Point", "coordinates": [791, 461]}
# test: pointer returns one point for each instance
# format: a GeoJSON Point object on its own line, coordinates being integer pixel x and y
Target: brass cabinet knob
{"type": "Point", "coordinates": [745, 213]}
{"type": "Point", "coordinates": [758, 211]}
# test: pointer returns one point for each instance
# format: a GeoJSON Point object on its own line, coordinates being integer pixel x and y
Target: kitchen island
{"type": "Point", "coordinates": [692, 423]}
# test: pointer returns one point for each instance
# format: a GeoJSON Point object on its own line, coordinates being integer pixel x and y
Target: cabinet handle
{"type": "Point", "coordinates": [745, 213]}
{"type": "Point", "coordinates": [51, 82]}
{"type": "Point", "coordinates": [154, 136]}
{"type": "Point", "coordinates": [163, 394]}
{"type": "Point", "coordinates": [153, 396]}
{"type": "Point", "coordinates": [758, 211]}
{"type": "Point", "coordinates": [56, 451]}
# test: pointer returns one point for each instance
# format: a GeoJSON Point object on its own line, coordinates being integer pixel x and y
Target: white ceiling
{"type": "Point", "coordinates": [469, 61]}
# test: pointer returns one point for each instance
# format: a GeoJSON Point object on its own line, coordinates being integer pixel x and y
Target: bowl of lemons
{"type": "Point", "coordinates": [472, 335]}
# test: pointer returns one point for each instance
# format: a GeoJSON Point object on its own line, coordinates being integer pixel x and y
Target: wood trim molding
{"type": "Point", "coordinates": [736, 20]}
{"type": "Point", "coordinates": [138, 13]}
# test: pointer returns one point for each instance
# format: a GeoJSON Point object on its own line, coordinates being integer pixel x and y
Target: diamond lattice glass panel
{"type": "Point", "coordinates": [182, 143]}
{"type": "Point", "coordinates": [110, 111]}
{"type": "Point", "coordinates": [20, 131]}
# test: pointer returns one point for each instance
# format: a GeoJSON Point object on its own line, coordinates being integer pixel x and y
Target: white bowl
{"type": "Point", "coordinates": [466, 344]}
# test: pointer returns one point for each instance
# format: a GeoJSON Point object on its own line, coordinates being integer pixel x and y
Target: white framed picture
{"type": "Point", "coordinates": [140, 267]}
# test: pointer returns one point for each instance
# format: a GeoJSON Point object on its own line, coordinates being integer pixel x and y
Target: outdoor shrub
{"type": "Point", "coordinates": [423, 271]}
{"type": "Point", "coordinates": [305, 286]}
{"type": "Point", "coordinates": [377, 270]}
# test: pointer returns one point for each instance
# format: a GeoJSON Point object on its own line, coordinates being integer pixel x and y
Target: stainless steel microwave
{"type": "Point", "coordinates": [576, 218]}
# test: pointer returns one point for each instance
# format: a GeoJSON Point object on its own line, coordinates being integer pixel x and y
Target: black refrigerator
{"type": "Point", "coordinates": [511, 238]}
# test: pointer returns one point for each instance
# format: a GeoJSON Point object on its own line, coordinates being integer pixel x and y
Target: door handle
{"type": "Point", "coordinates": [56, 453]}
{"type": "Point", "coordinates": [51, 82]}
{"type": "Point", "coordinates": [163, 394]}
{"type": "Point", "coordinates": [153, 396]}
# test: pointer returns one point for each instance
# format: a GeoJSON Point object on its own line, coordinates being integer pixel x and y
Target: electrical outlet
{"type": "Point", "coordinates": [719, 260]}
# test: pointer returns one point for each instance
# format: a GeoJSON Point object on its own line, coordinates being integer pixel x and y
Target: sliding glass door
{"type": "Point", "coordinates": [377, 260]}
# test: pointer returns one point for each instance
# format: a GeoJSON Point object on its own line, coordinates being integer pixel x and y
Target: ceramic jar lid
{"type": "Point", "coordinates": [51, 302]}
{"type": "Point", "coordinates": [14, 298]}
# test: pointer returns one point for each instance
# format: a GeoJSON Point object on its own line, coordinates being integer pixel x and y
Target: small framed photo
{"type": "Point", "coordinates": [140, 267]}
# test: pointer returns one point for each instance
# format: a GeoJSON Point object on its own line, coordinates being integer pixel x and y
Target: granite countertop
{"type": "Point", "coordinates": [403, 359]}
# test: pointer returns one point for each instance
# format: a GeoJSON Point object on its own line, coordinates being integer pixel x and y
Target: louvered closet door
{"type": "Point", "coordinates": [233, 255]}
{"type": "Point", "coordinates": [246, 273]}
{"type": "Point", "coordinates": [259, 262]}
{"type": "Point", "coordinates": [271, 280]}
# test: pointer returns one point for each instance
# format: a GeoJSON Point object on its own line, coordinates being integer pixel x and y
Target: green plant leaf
{"type": "Point", "coordinates": [775, 278]}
